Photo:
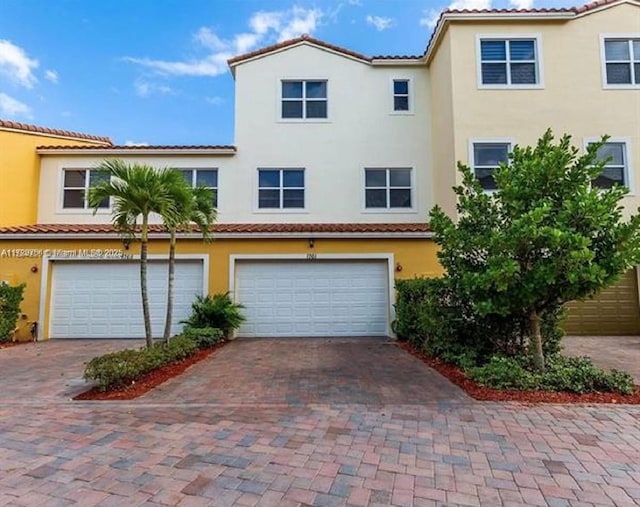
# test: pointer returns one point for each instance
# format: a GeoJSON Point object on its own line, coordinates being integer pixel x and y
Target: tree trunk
{"type": "Point", "coordinates": [172, 263]}
{"type": "Point", "coordinates": [143, 280]}
{"type": "Point", "coordinates": [535, 340]}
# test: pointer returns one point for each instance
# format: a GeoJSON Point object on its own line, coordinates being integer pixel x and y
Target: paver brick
{"type": "Point", "coordinates": [313, 422]}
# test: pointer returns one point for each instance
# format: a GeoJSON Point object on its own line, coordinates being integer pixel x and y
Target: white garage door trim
{"type": "Point", "coordinates": [313, 257]}
{"type": "Point", "coordinates": [46, 279]}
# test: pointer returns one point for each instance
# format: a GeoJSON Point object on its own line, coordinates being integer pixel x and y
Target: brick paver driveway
{"type": "Point", "coordinates": [303, 423]}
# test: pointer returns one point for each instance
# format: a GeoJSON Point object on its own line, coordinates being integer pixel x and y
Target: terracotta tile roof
{"type": "Point", "coordinates": [396, 57]}
{"type": "Point", "coordinates": [227, 228]}
{"type": "Point", "coordinates": [292, 42]}
{"type": "Point", "coordinates": [560, 10]}
{"type": "Point", "coordinates": [56, 132]}
{"type": "Point", "coordinates": [577, 10]}
{"type": "Point", "coordinates": [117, 147]}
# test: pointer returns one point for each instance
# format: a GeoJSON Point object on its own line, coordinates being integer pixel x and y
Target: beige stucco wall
{"type": "Point", "coordinates": [361, 131]}
{"type": "Point", "coordinates": [572, 100]}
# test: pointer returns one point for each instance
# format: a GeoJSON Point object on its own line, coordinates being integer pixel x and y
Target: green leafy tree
{"type": "Point", "coordinates": [193, 206]}
{"type": "Point", "coordinates": [137, 191]}
{"type": "Point", "coordinates": [546, 236]}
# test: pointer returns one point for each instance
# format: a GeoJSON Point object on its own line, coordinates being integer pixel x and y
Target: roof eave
{"type": "Point", "coordinates": [137, 151]}
{"type": "Point", "coordinates": [447, 17]}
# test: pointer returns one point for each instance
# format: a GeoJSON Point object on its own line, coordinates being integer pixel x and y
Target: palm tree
{"type": "Point", "coordinates": [192, 207]}
{"type": "Point", "coordinates": [137, 191]}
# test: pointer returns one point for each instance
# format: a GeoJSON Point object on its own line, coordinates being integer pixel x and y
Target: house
{"type": "Point", "coordinates": [323, 199]}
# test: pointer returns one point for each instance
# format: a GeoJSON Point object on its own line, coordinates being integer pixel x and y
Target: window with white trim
{"type": "Point", "coordinates": [622, 61]}
{"type": "Point", "coordinates": [387, 188]}
{"type": "Point", "coordinates": [76, 183]}
{"type": "Point", "coordinates": [306, 100]}
{"type": "Point", "coordinates": [207, 178]}
{"type": "Point", "coordinates": [509, 62]}
{"type": "Point", "coordinates": [614, 155]}
{"type": "Point", "coordinates": [487, 157]}
{"type": "Point", "coordinates": [401, 95]}
{"type": "Point", "coordinates": [280, 188]}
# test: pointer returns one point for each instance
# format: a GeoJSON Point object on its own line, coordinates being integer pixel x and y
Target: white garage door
{"type": "Point", "coordinates": [102, 299]}
{"type": "Point", "coordinates": [313, 298]}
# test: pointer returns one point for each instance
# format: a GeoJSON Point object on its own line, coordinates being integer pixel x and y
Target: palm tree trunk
{"type": "Point", "coordinates": [143, 280]}
{"type": "Point", "coordinates": [535, 340]}
{"type": "Point", "coordinates": [172, 263]}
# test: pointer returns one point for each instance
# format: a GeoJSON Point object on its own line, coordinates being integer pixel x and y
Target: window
{"type": "Point", "coordinates": [387, 188]}
{"type": "Point", "coordinates": [205, 178]}
{"type": "Point", "coordinates": [622, 61]}
{"type": "Point", "coordinates": [487, 156]}
{"type": "Point", "coordinates": [75, 185]}
{"type": "Point", "coordinates": [304, 99]}
{"type": "Point", "coordinates": [280, 188]}
{"type": "Point", "coordinates": [509, 62]}
{"type": "Point", "coordinates": [401, 95]}
{"type": "Point", "coordinates": [615, 157]}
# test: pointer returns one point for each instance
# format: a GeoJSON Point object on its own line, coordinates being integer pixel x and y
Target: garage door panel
{"type": "Point", "coordinates": [322, 298]}
{"type": "Point", "coordinates": [102, 299]}
{"type": "Point", "coordinates": [615, 311]}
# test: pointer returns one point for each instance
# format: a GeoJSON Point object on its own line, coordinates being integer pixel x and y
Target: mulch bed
{"type": "Point", "coordinates": [475, 390]}
{"type": "Point", "coordinates": [6, 345]}
{"type": "Point", "coordinates": [149, 380]}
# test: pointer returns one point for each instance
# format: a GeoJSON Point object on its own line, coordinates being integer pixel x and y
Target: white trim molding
{"type": "Point", "coordinates": [320, 257]}
{"type": "Point", "coordinates": [628, 162]}
{"type": "Point", "coordinates": [539, 61]}
{"type": "Point", "coordinates": [603, 62]}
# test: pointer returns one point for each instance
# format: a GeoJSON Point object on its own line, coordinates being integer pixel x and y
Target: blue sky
{"type": "Point", "coordinates": [154, 71]}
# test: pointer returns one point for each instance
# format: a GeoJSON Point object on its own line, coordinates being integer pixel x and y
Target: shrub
{"type": "Point", "coordinates": [10, 299]}
{"type": "Point", "coordinates": [204, 336]}
{"type": "Point", "coordinates": [119, 369]}
{"type": "Point", "coordinates": [566, 374]}
{"type": "Point", "coordinates": [503, 373]}
{"type": "Point", "coordinates": [217, 311]}
{"type": "Point", "coordinates": [433, 315]}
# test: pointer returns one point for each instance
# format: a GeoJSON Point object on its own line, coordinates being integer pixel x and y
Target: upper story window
{"type": "Point", "coordinates": [622, 61]}
{"type": "Point", "coordinates": [509, 62]}
{"type": "Point", "coordinates": [387, 188]}
{"type": "Point", "coordinates": [401, 101]}
{"type": "Point", "coordinates": [205, 178]}
{"type": "Point", "coordinates": [614, 155]}
{"type": "Point", "coordinates": [76, 183]}
{"type": "Point", "coordinates": [487, 157]}
{"type": "Point", "coordinates": [280, 188]}
{"type": "Point", "coordinates": [304, 100]}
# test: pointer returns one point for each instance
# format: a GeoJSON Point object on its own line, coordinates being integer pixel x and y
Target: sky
{"type": "Point", "coordinates": [155, 72]}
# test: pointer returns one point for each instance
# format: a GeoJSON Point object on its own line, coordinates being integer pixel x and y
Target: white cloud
{"type": "Point", "coordinates": [16, 64]}
{"type": "Point", "coordinates": [12, 108]}
{"type": "Point", "coordinates": [216, 101]}
{"type": "Point", "coordinates": [379, 22]}
{"type": "Point", "coordinates": [145, 89]}
{"type": "Point", "coordinates": [357, 3]}
{"type": "Point", "coordinates": [521, 4]}
{"type": "Point", "coordinates": [134, 143]}
{"type": "Point", "coordinates": [265, 27]}
{"type": "Point", "coordinates": [430, 16]}
{"type": "Point", "coordinates": [51, 75]}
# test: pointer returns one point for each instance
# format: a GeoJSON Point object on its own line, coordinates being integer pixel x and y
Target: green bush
{"type": "Point", "coordinates": [119, 369]}
{"type": "Point", "coordinates": [217, 311]}
{"type": "Point", "coordinates": [503, 373]}
{"type": "Point", "coordinates": [431, 314]}
{"type": "Point", "coordinates": [204, 337]}
{"type": "Point", "coordinates": [563, 374]}
{"type": "Point", "coordinates": [10, 299]}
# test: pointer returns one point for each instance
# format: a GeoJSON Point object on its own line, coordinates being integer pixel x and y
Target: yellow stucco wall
{"type": "Point", "coordinates": [17, 258]}
{"type": "Point", "coordinates": [20, 174]}
{"type": "Point", "coordinates": [572, 100]}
